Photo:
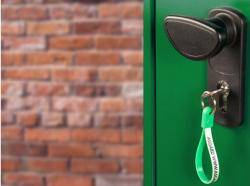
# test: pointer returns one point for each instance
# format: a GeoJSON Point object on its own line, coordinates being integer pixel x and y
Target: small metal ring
{"type": "Point", "coordinates": [205, 95]}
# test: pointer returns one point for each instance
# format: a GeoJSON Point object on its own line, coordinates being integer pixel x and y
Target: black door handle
{"type": "Point", "coordinates": [200, 39]}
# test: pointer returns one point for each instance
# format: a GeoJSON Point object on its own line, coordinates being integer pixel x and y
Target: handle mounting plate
{"type": "Point", "coordinates": [228, 65]}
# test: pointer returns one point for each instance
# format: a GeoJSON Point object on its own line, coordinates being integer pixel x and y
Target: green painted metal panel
{"type": "Point", "coordinates": [172, 113]}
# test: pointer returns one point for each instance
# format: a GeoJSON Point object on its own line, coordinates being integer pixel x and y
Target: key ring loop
{"type": "Point", "coordinates": [206, 139]}
{"type": "Point", "coordinates": [208, 94]}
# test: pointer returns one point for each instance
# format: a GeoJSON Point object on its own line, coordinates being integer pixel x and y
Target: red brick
{"type": "Point", "coordinates": [96, 135]}
{"type": "Point", "coordinates": [4, 87]}
{"type": "Point", "coordinates": [47, 89]}
{"type": "Point", "coordinates": [34, 1]}
{"type": "Point", "coordinates": [48, 58]}
{"type": "Point", "coordinates": [23, 149]}
{"type": "Point", "coordinates": [60, 12]}
{"type": "Point", "coordinates": [133, 166]}
{"type": "Point", "coordinates": [112, 105]}
{"type": "Point", "coordinates": [11, 59]}
{"type": "Point", "coordinates": [97, 58]}
{"type": "Point", "coordinates": [13, 103]}
{"type": "Point", "coordinates": [12, 28]}
{"type": "Point", "coordinates": [12, 1]}
{"type": "Point", "coordinates": [122, 10]}
{"type": "Point", "coordinates": [71, 42]}
{"type": "Point", "coordinates": [24, 13]}
{"type": "Point", "coordinates": [94, 166]}
{"type": "Point", "coordinates": [135, 105]}
{"type": "Point", "coordinates": [78, 120]}
{"type": "Point", "coordinates": [84, 90]}
{"type": "Point", "coordinates": [132, 136]}
{"type": "Point", "coordinates": [71, 150]}
{"type": "Point", "coordinates": [121, 151]}
{"type": "Point", "coordinates": [133, 58]}
{"type": "Point", "coordinates": [27, 119]}
{"type": "Point", "coordinates": [97, 26]}
{"type": "Point", "coordinates": [132, 120]}
{"type": "Point", "coordinates": [42, 28]}
{"type": "Point", "coordinates": [81, 11]}
{"type": "Point", "coordinates": [73, 104]}
{"type": "Point", "coordinates": [4, 103]}
{"type": "Point", "coordinates": [108, 90]}
{"type": "Point", "coordinates": [72, 11]}
{"type": "Point", "coordinates": [10, 164]}
{"type": "Point", "coordinates": [22, 178]}
{"type": "Point", "coordinates": [86, 74]}
{"type": "Point", "coordinates": [132, 27]}
{"type": "Point", "coordinates": [7, 117]}
{"type": "Point", "coordinates": [91, 90]}
{"type": "Point", "coordinates": [117, 74]}
{"type": "Point", "coordinates": [48, 135]}
{"type": "Point", "coordinates": [46, 165]}
{"type": "Point", "coordinates": [132, 90]}
{"type": "Point", "coordinates": [69, 180]}
{"type": "Point", "coordinates": [107, 120]}
{"type": "Point", "coordinates": [118, 42]}
{"type": "Point", "coordinates": [24, 43]}
{"type": "Point", "coordinates": [11, 133]}
{"type": "Point", "coordinates": [55, 2]}
{"type": "Point", "coordinates": [37, 104]}
{"type": "Point", "coordinates": [120, 179]}
{"type": "Point", "coordinates": [26, 74]}
{"type": "Point", "coordinates": [10, 88]}
{"type": "Point", "coordinates": [52, 119]}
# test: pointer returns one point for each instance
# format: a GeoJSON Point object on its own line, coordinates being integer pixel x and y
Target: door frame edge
{"type": "Point", "coordinates": [149, 47]}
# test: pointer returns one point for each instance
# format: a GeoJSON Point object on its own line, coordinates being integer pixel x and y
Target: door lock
{"type": "Point", "coordinates": [220, 39]}
{"type": "Point", "coordinates": [217, 96]}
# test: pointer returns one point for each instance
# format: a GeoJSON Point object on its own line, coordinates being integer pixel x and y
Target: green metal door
{"type": "Point", "coordinates": [173, 86]}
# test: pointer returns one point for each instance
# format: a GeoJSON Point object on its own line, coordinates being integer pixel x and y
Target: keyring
{"type": "Point", "coordinates": [206, 139]}
{"type": "Point", "coordinates": [208, 94]}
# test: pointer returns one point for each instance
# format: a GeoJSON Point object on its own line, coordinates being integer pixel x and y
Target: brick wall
{"type": "Point", "coordinates": [71, 93]}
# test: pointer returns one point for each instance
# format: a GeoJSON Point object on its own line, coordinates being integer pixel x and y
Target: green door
{"type": "Point", "coordinates": [173, 86]}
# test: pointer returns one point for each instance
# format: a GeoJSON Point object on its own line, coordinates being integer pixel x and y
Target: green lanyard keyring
{"type": "Point", "coordinates": [206, 137]}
